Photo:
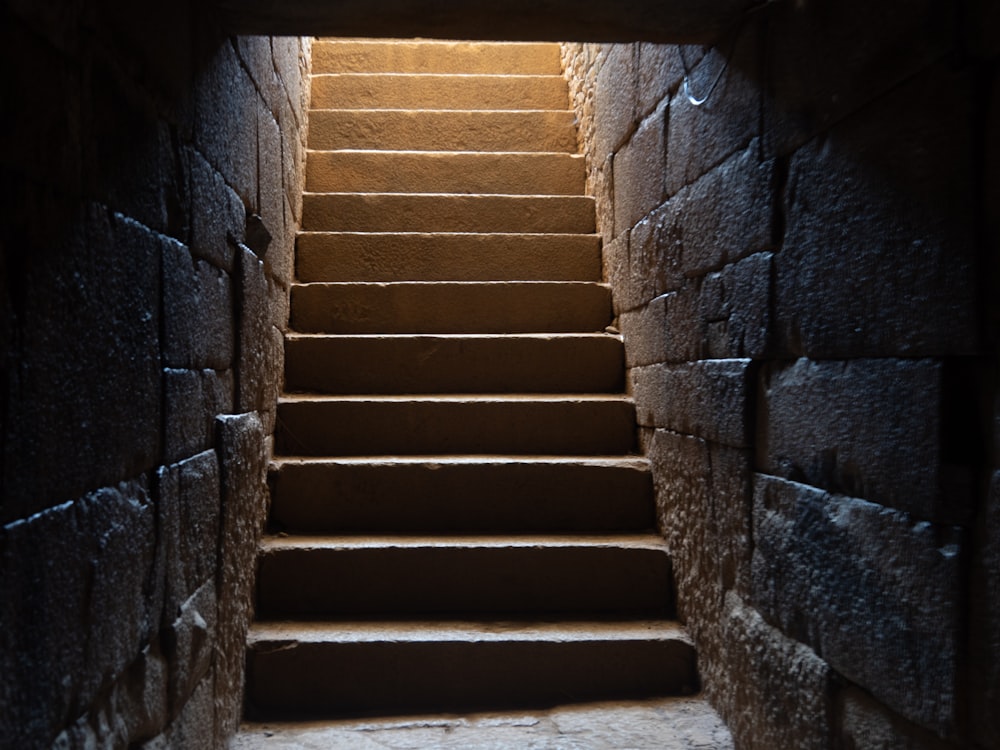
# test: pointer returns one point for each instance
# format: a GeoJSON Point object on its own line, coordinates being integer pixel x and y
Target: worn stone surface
{"type": "Point", "coordinates": [706, 399]}
{"type": "Point", "coordinates": [190, 643]}
{"type": "Point", "coordinates": [86, 301]}
{"type": "Point", "coordinates": [218, 216]}
{"type": "Point", "coordinates": [700, 138]}
{"type": "Point", "coordinates": [866, 724]}
{"type": "Point", "coordinates": [188, 522]}
{"type": "Point", "coordinates": [785, 696]}
{"type": "Point", "coordinates": [984, 625]}
{"type": "Point", "coordinates": [242, 459]}
{"type": "Point", "coordinates": [858, 427]}
{"type": "Point", "coordinates": [192, 399]}
{"type": "Point", "coordinates": [614, 100]}
{"type": "Point", "coordinates": [666, 724]}
{"type": "Point", "coordinates": [878, 258]}
{"type": "Point", "coordinates": [660, 73]}
{"type": "Point", "coordinates": [868, 588]}
{"type": "Point", "coordinates": [198, 312]}
{"type": "Point", "coordinates": [638, 172]}
{"type": "Point", "coordinates": [84, 566]}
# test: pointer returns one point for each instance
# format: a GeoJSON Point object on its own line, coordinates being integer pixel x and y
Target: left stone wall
{"type": "Point", "coordinates": [150, 175]}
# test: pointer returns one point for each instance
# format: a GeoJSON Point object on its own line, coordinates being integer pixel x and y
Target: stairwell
{"type": "Point", "coordinates": [459, 516]}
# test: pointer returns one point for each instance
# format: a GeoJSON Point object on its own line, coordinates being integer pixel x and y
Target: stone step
{"type": "Point", "coordinates": [367, 56]}
{"type": "Point", "coordinates": [450, 307]}
{"type": "Point", "coordinates": [361, 576]}
{"type": "Point", "coordinates": [454, 494]}
{"type": "Point", "coordinates": [584, 425]}
{"type": "Point", "coordinates": [519, 173]}
{"type": "Point", "coordinates": [317, 669]}
{"type": "Point", "coordinates": [390, 256]}
{"type": "Point", "coordinates": [454, 363]}
{"type": "Point", "coordinates": [438, 91]}
{"type": "Point", "coordinates": [433, 212]}
{"type": "Point", "coordinates": [302, 670]}
{"type": "Point", "coordinates": [443, 130]}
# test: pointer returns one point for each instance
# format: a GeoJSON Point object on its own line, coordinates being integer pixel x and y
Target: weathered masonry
{"type": "Point", "coordinates": [804, 268]}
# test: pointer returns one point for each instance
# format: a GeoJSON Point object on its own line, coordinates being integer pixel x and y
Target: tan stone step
{"type": "Point", "coordinates": [327, 669]}
{"type": "Point", "coordinates": [487, 424]}
{"type": "Point", "coordinates": [415, 576]}
{"type": "Point", "coordinates": [445, 172]}
{"type": "Point", "coordinates": [450, 307]}
{"type": "Point", "coordinates": [435, 91]}
{"type": "Point", "coordinates": [398, 56]}
{"type": "Point", "coordinates": [454, 494]}
{"type": "Point", "coordinates": [388, 256]}
{"type": "Point", "coordinates": [454, 363]}
{"type": "Point", "coordinates": [410, 212]}
{"type": "Point", "coordinates": [443, 130]}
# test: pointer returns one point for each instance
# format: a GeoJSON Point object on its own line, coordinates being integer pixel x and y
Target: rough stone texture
{"type": "Point", "coordinates": [707, 399]}
{"type": "Point", "coordinates": [614, 99]}
{"type": "Point", "coordinates": [890, 187]}
{"type": "Point", "coordinates": [984, 626]}
{"type": "Point", "coordinates": [860, 428]}
{"type": "Point", "coordinates": [784, 697]}
{"type": "Point", "coordinates": [638, 172]}
{"type": "Point", "coordinates": [244, 508]}
{"type": "Point", "coordinates": [866, 724]}
{"type": "Point", "coordinates": [666, 724]}
{"type": "Point", "coordinates": [125, 193]}
{"type": "Point", "coordinates": [868, 588]}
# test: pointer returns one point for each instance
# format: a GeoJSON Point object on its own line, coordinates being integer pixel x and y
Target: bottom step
{"type": "Point", "coordinates": [306, 670]}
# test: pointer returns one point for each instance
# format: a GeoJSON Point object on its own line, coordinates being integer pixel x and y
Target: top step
{"type": "Point", "coordinates": [356, 56]}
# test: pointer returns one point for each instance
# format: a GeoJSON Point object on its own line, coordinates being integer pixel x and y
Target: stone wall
{"type": "Point", "coordinates": [804, 268]}
{"type": "Point", "coordinates": [150, 172]}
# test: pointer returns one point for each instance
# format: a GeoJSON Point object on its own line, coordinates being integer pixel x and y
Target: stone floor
{"type": "Point", "coordinates": [663, 724]}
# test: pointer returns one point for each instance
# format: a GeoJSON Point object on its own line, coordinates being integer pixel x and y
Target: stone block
{"type": "Point", "coordinates": [702, 137]}
{"type": "Point", "coordinates": [140, 698]}
{"type": "Point", "coordinates": [83, 392]}
{"type": "Point", "coordinates": [644, 332]}
{"type": "Point", "coordinates": [864, 723]}
{"type": "Point", "coordinates": [707, 399]}
{"type": "Point", "coordinates": [218, 217]}
{"type": "Point", "coordinates": [722, 217]}
{"type": "Point", "coordinates": [292, 161]}
{"type": "Point", "coordinates": [638, 172]}
{"type": "Point", "coordinates": [278, 304]}
{"type": "Point", "coordinates": [243, 460]}
{"type": "Point", "coordinates": [188, 510]}
{"type": "Point", "coordinates": [703, 509]}
{"type": "Point", "coordinates": [271, 195]}
{"type": "Point", "coordinates": [80, 567]}
{"type": "Point", "coordinates": [190, 644]}
{"type": "Point", "coordinates": [660, 73]}
{"type": "Point", "coordinates": [254, 363]}
{"type": "Point", "coordinates": [194, 725]}
{"type": "Point", "coordinates": [868, 588]}
{"type": "Point", "coordinates": [255, 54]}
{"type": "Point", "coordinates": [868, 428]}
{"type": "Point", "coordinates": [192, 399]}
{"type": "Point", "coordinates": [734, 308]}
{"type": "Point", "coordinates": [614, 99]}
{"type": "Point", "coordinates": [198, 312]}
{"type": "Point", "coordinates": [879, 257]}
{"type": "Point", "coordinates": [889, 42]}
{"type": "Point", "coordinates": [290, 62]}
{"type": "Point", "coordinates": [771, 691]}
{"type": "Point", "coordinates": [225, 117]}
{"type": "Point", "coordinates": [604, 192]}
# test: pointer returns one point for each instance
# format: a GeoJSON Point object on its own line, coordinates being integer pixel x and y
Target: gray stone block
{"type": "Point", "coordinates": [218, 217]}
{"type": "Point", "coordinates": [188, 511]}
{"type": "Point", "coordinates": [271, 195]}
{"type": "Point", "coordinates": [983, 644]}
{"type": "Point", "coordinates": [707, 399]}
{"type": "Point", "coordinates": [879, 257]}
{"type": "Point", "coordinates": [645, 334]}
{"type": "Point", "coordinates": [190, 643]}
{"type": "Point", "coordinates": [192, 399]}
{"type": "Point", "coordinates": [866, 723]}
{"type": "Point", "coordinates": [83, 566]}
{"type": "Point", "coordinates": [660, 73]}
{"type": "Point", "coordinates": [638, 172]}
{"type": "Point", "coordinates": [725, 215]}
{"type": "Point", "coordinates": [865, 428]}
{"type": "Point", "coordinates": [244, 508]}
{"type": "Point", "coordinates": [225, 117]}
{"type": "Point", "coordinates": [255, 54]}
{"type": "Point", "coordinates": [198, 312]}
{"type": "Point", "coordinates": [614, 99]}
{"type": "Point", "coordinates": [254, 362]}
{"type": "Point", "coordinates": [83, 390]}
{"type": "Point", "coordinates": [700, 138]}
{"type": "Point", "coordinates": [734, 308]}
{"type": "Point", "coordinates": [771, 691]}
{"type": "Point", "coordinates": [868, 588]}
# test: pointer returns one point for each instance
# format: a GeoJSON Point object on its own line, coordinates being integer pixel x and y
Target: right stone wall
{"type": "Point", "coordinates": [804, 269]}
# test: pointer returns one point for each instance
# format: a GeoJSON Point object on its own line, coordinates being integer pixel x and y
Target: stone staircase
{"type": "Point", "coordinates": [459, 520]}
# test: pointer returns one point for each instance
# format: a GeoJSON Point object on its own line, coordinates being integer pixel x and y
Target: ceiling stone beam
{"type": "Point", "coordinates": [678, 21]}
